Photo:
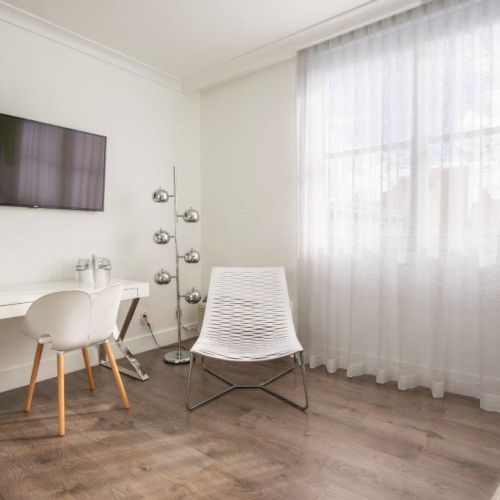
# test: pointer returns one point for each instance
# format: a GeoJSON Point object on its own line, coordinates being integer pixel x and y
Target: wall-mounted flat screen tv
{"type": "Point", "coordinates": [45, 166]}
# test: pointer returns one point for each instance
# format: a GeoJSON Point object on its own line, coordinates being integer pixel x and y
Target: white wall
{"type": "Point", "coordinates": [149, 129]}
{"type": "Point", "coordinates": [248, 158]}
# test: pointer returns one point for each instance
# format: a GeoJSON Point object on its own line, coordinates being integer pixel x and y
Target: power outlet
{"type": "Point", "coordinates": [143, 320]}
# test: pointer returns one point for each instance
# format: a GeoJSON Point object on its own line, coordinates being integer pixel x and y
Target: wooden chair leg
{"type": "Point", "coordinates": [116, 375]}
{"type": "Point", "coordinates": [88, 367]}
{"type": "Point", "coordinates": [34, 372]}
{"type": "Point", "coordinates": [60, 392]}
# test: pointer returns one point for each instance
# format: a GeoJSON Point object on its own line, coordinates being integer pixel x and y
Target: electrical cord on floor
{"type": "Point", "coordinates": [191, 328]}
{"type": "Point", "coordinates": [153, 335]}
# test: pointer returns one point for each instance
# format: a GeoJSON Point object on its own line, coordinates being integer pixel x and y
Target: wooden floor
{"type": "Point", "coordinates": [357, 440]}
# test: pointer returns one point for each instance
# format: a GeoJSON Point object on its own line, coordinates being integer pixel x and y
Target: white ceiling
{"type": "Point", "coordinates": [185, 37]}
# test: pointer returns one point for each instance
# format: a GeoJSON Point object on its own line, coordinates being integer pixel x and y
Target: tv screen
{"type": "Point", "coordinates": [47, 166]}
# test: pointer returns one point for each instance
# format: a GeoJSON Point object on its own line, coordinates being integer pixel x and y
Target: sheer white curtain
{"type": "Point", "coordinates": [399, 200]}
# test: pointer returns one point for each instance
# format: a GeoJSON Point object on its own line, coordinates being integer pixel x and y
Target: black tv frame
{"type": "Point", "coordinates": [72, 130]}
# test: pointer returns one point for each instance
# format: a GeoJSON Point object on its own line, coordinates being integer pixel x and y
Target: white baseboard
{"type": "Point", "coordinates": [19, 376]}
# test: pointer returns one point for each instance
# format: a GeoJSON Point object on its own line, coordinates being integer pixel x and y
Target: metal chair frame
{"type": "Point", "coordinates": [263, 385]}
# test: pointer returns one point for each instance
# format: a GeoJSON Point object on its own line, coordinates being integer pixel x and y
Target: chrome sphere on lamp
{"type": "Point", "coordinates": [160, 195]}
{"type": "Point", "coordinates": [191, 215]}
{"type": "Point", "coordinates": [163, 277]}
{"type": "Point", "coordinates": [161, 237]}
{"type": "Point", "coordinates": [192, 296]}
{"type": "Point", "coordinates": [192, 256]}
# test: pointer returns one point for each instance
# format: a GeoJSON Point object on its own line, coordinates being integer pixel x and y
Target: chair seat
{"type": "Point", "coordinates": [248, 316]}
{"type": "Point", "coordinates": [264, 350]}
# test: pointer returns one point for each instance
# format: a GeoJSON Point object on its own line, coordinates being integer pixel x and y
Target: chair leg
{"type": "Point", "coordinates": [211, 398]}
{"type": "Point", "coordinates": [283, 398]}
{"type": "Point", "coordinates": [303, 372]}
{"type": "Point", "coordinates": [188, 388]}
{"type": "Point", "coordinates": [116, 375]}
{"type": "Point", "coordinates": [88, 367]}
{"type": "Point", "coordinates": [34, 372]}
{"type": "Point", "coordinates": [60, 392]}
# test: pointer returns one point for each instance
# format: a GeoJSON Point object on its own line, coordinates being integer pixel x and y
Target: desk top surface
{"type": "Point", "coordinates": [29, 292]}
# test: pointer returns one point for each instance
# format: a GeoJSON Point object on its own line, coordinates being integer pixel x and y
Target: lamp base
{"type": "Point", "coordinates": [177, 357]}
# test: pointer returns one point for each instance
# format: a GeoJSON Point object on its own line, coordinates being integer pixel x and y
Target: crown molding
{"type": "Point", "coordinates": [275, 52]}
{"type": "Point", "coordinates": [41, 27]}
{"type": "Point", "coordinates": [287, 47]}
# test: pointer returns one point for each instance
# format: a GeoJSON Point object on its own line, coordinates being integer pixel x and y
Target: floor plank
{"type": "Point", "coordinates": [358, 440]}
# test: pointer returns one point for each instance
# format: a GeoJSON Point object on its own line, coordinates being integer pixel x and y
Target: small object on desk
{"type": "Point", "coordinates": [94, 271]}
{"type": "Point", "coordinates": [102, 272]}
{"type": "Point", "coordinates": [84, 274]}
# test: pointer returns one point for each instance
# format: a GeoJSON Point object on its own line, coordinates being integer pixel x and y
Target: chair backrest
{"type": "Point", "coordinates": [248, 305]}
{"type": "Point", "coordinates": [73, 319]}
{"type": "Point", "coordinates": [61, 318]}
{"type": "Point", "coordinates": [104, 312]}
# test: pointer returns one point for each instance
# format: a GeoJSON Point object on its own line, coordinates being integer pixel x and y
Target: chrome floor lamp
{"type": "Point", "coordinates": [162, 277]}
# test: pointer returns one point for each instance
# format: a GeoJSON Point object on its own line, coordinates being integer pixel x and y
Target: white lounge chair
{"type": "Point", "coordinates": [248, 319]}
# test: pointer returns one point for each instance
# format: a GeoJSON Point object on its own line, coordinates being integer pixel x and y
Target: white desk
{"type": "Point", "coordinates": [16, 299]}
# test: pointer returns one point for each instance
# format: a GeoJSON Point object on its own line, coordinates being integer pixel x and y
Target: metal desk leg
{"type": "Point", "coordinates": [137, 372]}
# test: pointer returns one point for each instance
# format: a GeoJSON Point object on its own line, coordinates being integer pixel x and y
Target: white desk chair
{"type": "Point", "coordinates": [248, 319]}
{"type": "Point", "coordinates": [73, 320]}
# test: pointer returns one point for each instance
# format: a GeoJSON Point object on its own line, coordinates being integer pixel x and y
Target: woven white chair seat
{"type": "Point", "coordinates": [248, 316]}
